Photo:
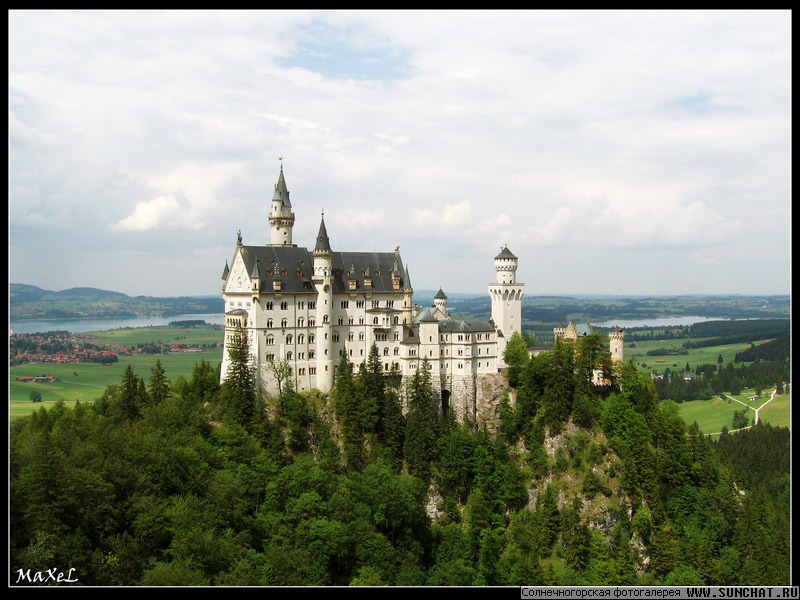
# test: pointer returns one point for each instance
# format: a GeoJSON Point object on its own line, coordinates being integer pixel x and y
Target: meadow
{"type": "Point", "coordinates": [695, 357]}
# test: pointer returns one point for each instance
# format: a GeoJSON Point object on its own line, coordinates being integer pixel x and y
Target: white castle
{"type": "Point", "coordinates": [306, 307]}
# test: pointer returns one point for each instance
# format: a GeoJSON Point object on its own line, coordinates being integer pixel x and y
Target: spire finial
{"type": "Point", "coordinates": [280, 158]}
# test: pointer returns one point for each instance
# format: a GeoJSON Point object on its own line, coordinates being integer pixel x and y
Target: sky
{"type": "Point", "coordinates": [613, 152]}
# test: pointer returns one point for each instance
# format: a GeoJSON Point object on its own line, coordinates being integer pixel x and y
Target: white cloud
{"type": "Point", "coordinates": [587, 131]}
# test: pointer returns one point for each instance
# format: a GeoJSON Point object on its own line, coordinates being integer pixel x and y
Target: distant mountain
{"type": "Point", "coordinates": [32, 302]}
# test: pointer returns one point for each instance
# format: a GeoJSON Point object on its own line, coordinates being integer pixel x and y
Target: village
{"type": "Point", "coordinates": [62, 347]}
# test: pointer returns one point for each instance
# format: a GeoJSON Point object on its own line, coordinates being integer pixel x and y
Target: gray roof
{"type": "Point", "coordinates": [440, 294]}
{"type": "Point", "coordinates": [294, 265]}
{"type": "Point", "coordinates": [451, 326]}
{"type": "Point", "coordinates": [281, 192]}
{"type": "Point", "coordinates": [505, 253]}
{"type": "Point", "coordinates": [323, 243]}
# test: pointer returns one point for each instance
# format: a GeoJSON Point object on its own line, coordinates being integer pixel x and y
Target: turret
{"type": "Point", "coordinates": [616, 344]}
{"type": "Point", "coordinates": [322, 279]}
{"type": "Point", "coordinates": [506, 296]}
{"type": "Point", "coordinates": [440, 302]}
{"type": "Point", "coordinates": [281, 217]}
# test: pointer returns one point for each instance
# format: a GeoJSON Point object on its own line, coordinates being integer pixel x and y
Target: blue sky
{"type": "Point", "coordinates": [615, 152]}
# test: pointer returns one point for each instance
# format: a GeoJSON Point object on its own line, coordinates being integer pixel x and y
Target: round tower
{"type": "Point", "coordinates": [440, 302]}
{"type": "Point", "coordinates": [281, 217]}
{"type": "Point", "coordinates": [506, 296]}
{"type": "Point", "coordinates": [323, 282]}
{"type": "Point", "coordinates": [616, 344]}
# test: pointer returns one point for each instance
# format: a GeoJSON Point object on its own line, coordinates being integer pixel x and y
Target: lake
{"type": "Point", "coordinates": [84, 325]}
{"type": "Point", "coordinates": [657, 322]}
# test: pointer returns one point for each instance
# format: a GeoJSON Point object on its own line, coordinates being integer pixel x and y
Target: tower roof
{"type": "Point", "coordinates": [323, 243]}
{"type": "Point", "coordinates": [281, 192]}
{"type": "Point", "coordinates": [440, 295]}
{"type": "Point", "coordinates": [505, 253]}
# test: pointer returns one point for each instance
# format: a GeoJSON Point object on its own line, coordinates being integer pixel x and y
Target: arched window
{"type": "Point", "coordinates": [269, 322]}
{"type": "Point", "coordinates": [270, 340]}
{"type": "Point", "coordinates": [312, 322]}
{"type": "Point", "coordinates": [289, 355]}
{"type": "Point", "coordinates": [375, 321]}
{"type": "Point", "coordinates": [301, 321]}
{"type": "Point", "coordinates": [386, 351]}
{"type": "Point", "coordinates": [301, 338]}
{"type": "Point", "coordinates": [396, 351]}
{"type": "Point", "coordinates": [289, 339]}
{"type": "Point", "coordinates": [284, 322]}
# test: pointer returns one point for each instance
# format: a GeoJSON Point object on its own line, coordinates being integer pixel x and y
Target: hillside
{"type": "Point", "coordinates": [201, 484]}
{"type": "Point", "coordinates": [28, 302]}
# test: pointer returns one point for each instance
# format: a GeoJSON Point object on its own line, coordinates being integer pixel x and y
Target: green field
{"type": "Point", "coordinates": [695, 357]}
{"type": "Point", "coordinates": [85, 382]}
{"type": "Point", "coordinates": [712, 415]}
{"type": "Point", "coordinates": [165, 334]}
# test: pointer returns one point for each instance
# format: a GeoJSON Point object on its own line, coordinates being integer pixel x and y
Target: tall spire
{"type": "Point", "coordinates": [323, 243]}
{"type": "Point", "coordinates": [281, 191]}
{"type": "Point", "coordinates": [281, 217]}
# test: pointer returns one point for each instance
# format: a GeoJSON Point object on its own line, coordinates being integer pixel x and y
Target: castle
{"type": "Point", "coordinates": [306, 307]}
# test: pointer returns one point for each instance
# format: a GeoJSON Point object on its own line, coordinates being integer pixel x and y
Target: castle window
{"type": "Point", "coordinates": [289, 355]}
{"type": "Point", "coordinates": [324, 319]}
{"type": "Point", "coordinates": [375, 321]}
{"type": "Point", "coordinates": [360, 320]}
{"type": "Point", "coordinates": [284, 322]}
{"type": "Point", "coordinates": [268, 305]}
{"type": "Point", "coordinates": [390, 303]}
{"type": "Point", "coordinates": [460, 366]}
{"type": "Point", "coordinates": [301, 338]}
{"type": "Point", "coordinates": [351, 352]}
{"type": "Point", "coordinates": [376, 303]}
{"type": "Point", "coordinates": [312, 321]}
{"type": "Point", "coordinates": [345, 304]}
{"type": "Point", "coordinates": [270, 340]}
{"type": "Point", "coordinates": [311, 354]}
{"type": "Point", "coordinates": [396, 336]}
{"type": "Point", "coordinates": [396, 320]}
{"type": "Point", "coordinates": [312, 304]}
{"type": "Point", "coordinates": [301, 305]}
{"type": "Point", "coordinates": [301, 356]}
{"type": "Point", "coordinates": [350, 321]}
{"type": "Point", "coordinates": [312, 370]}
{"type": "Point", "coordinates": [311, 338]}
{"type": "Point", "coordinates": [289, 339]}
{"type": "Point", "coordinates": [386, 351]}
{"type": "Point", "coordinates": [341, 321]}
{"type": "Point", "coordinates": [301, 371]}
{"type": "Point", "coordinates": [396, 351]}
{"type": "Point", "coordinates": [361, 336]}
{"type": "Point", "coordinates": [270, 357]}
{"type": "Point", "coordinates": [284, 305]}
{"type": "Point", "coordinates": [359, 304]}
{"type": "Point", "coordinates": [351, 336]}
{"type": "Point", "coordinates": [335, 337]}
{"type": "Point", "coordinates": [269, 322]}
{"type": "Point", "coordinates": [301, 321]}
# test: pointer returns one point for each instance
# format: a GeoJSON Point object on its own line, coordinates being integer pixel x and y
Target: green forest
{"type": "Point", "coordinates": [187, 482]}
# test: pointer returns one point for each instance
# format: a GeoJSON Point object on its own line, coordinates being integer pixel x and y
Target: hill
{"type": "Point", "coordinates": [28, 302]}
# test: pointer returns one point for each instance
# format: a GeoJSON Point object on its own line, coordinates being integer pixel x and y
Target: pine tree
{"type": "Point", "coordinates": [239, 389]}
{"type": "Point", "coordinates": [129, 395]}
{"type": "Point", "coordinates": [159, 384]}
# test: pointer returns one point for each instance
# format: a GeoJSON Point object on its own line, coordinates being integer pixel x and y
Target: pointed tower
{"type": "Point", "coordinates": [281, 217]}
{"type": "Point", "coordinates": [506, 296]}
{"type": "Point", "coordinates": [323, 282]}
{"type": "Point", "coordinates": [440, 302]}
